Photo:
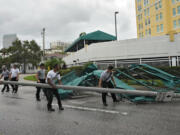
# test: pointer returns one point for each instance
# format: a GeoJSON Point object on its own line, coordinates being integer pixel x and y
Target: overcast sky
{"type": "Point", "coordinates": [65, 19]}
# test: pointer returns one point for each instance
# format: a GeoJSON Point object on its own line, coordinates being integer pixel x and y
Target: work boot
{"type": "Point", "coordinates": [105, 104]}
{"type": "Point", "coordinates": [115, 101]}
{"type": "Point", "coordinates": [61, 108]}
{"type": "Point", "coordinates": [38, 99]}
{"type": "Point", "coordinates": [51, 109]}
{"type": "Point", "coordinates": [16, 91]}
{"type": "Point", "coordinates": [2, 90]}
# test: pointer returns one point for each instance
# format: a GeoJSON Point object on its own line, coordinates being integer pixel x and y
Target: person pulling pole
{"type": "Point", "coordinates": [14, 76]}
{"type": "Point", "coordinates": [41, 78]}
{"type": "Point", "coordinates": [52, 78]}
{"type": "Point", "coordinates": [5, 74]}
{"type": "Point", "coordinates": [105, 82]}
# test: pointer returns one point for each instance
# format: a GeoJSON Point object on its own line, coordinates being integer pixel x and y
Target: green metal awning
{"type": "Point", "coordinates": [93, 37]}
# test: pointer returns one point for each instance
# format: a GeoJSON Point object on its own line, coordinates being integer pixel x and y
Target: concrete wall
{"type": "Point", "coordinates": [150, 47]}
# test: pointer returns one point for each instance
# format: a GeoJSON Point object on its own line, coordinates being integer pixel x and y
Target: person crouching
{"type": "Point", "coordinates": [105, 82]}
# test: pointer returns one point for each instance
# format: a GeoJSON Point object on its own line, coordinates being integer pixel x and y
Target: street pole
{"type": "Point", "coordinates": [43, 38]}
{"type": "Point", "coordinates": [24, 59]}
{"type": "Point", "coordinates": [115, 13]}
{"type": "Point", "coordinates": [160, 96]}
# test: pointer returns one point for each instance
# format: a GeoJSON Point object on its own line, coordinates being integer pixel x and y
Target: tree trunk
{"type": "Point", "coordinates": [24, 64]}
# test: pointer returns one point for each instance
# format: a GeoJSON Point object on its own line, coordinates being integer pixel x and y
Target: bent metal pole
{"type": "Point", "coordinates": [92, 89]}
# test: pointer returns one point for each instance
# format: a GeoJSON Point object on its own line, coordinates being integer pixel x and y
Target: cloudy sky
{"type": "Point", "coordinates": [65, 19]}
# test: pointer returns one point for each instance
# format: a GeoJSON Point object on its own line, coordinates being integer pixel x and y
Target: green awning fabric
{"type": "Point", "coordinates": [93, 37]}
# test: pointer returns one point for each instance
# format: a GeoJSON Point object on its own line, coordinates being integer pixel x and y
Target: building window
{"type": "Point", "coordinates": [146, 2]}
{"type": "Point", "coordinates": [139, 8]}
{"type": "Point", "coordinates": [178, 8]}
{"type": "Point", "coordinates": [161, 16]}
{"type": "Point", "coordinates": [179, 22]}
{"type": "Point", "coordinates": [141, 34]}
{"type": "Point", "coordinates": [156, 6]}
{"type": "Point", "coordinates": [162, 29]}
{"type": "Point", "coordinates": [148, 12]}
{"type": "Point", "coordinates": [149, 31]}
{"type": "Point", "coordinates": [157, 17]}
{"type": "Point", "coordinates": [174, 12]}
{"type": "Point", "coordinates": [139, 17]}
{"type": "Point", "coordinates": [174, 24]}
{"type": "Point", "coordinates": [160, 4]}
{"type": "Point", "coordinates": [146, 32]}
{"type": "Point", "coordinates": [173, 1]}
{"type": "Point", "coordinates": [157, 27]}
{"type": "Point", "coordinates": [144, 12]}
{"type": "Point", "coordinates": [149, 21]}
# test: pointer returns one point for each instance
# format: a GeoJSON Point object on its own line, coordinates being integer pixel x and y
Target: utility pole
{"type": "Point", "coordinates": [115, 13]}
{"type": "Point", "coordinates": [43, 41]}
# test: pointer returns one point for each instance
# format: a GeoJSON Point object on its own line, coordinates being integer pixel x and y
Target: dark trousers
{"type": "Point", "coordinates": [14, 87]}
{"type": "Point", "coordinates": [50, 93]}
{"type": "Point", "coordinates": [5, 85]}
{"type": "Point", "coordinates": [108, 85]}
{"type": "Point", "coordinates": [39, 90]}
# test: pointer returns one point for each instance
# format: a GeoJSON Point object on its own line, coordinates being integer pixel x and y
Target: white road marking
{"type": "Point", "coordinates": [124, 113]}
{"type": "Point", "coordinates": [90, 109]}
{"type": "Point", "coordinates": [78, 102]}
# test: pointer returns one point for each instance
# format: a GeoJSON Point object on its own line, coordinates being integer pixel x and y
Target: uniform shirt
{"type": "Point", "coordinates": [41, 74]}
{"type": "Point", "coordinates": [14, 72]}
{"type": "Point", "coordinates": [5, 73]}
{"type": "Point", "coordinates": [53, 76]}
{"type": "Point", "coordinates": [106, 76]}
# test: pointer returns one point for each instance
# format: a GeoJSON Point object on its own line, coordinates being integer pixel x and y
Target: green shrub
{"type": "Point", "coordinates": [77, 69]}
{"type": "Point", "coordinates": [171, 70]}
{"type": "Point", "coordinates": [30, 78]}
{"type": "Point", "coordinates": [157, 83]}
{"type": "Point", "coordinates": [51, 62]}
{"type": "Point", "coordinates": [64, 71]}
{"type": "Point", "coordinates": [86, 65]}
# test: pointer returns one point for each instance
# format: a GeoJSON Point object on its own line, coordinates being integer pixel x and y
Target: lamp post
{"type": "Point", "coordinates": [115, 13]}
{"type": "Point", "coordinates": [43, 37]}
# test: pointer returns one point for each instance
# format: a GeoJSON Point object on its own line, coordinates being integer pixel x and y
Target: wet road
{"type": "Point", "coordinates": [22, 115]}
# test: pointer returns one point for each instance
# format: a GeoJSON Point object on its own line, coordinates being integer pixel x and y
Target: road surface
{"type": "Point", "coordinates": [21, 115]}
